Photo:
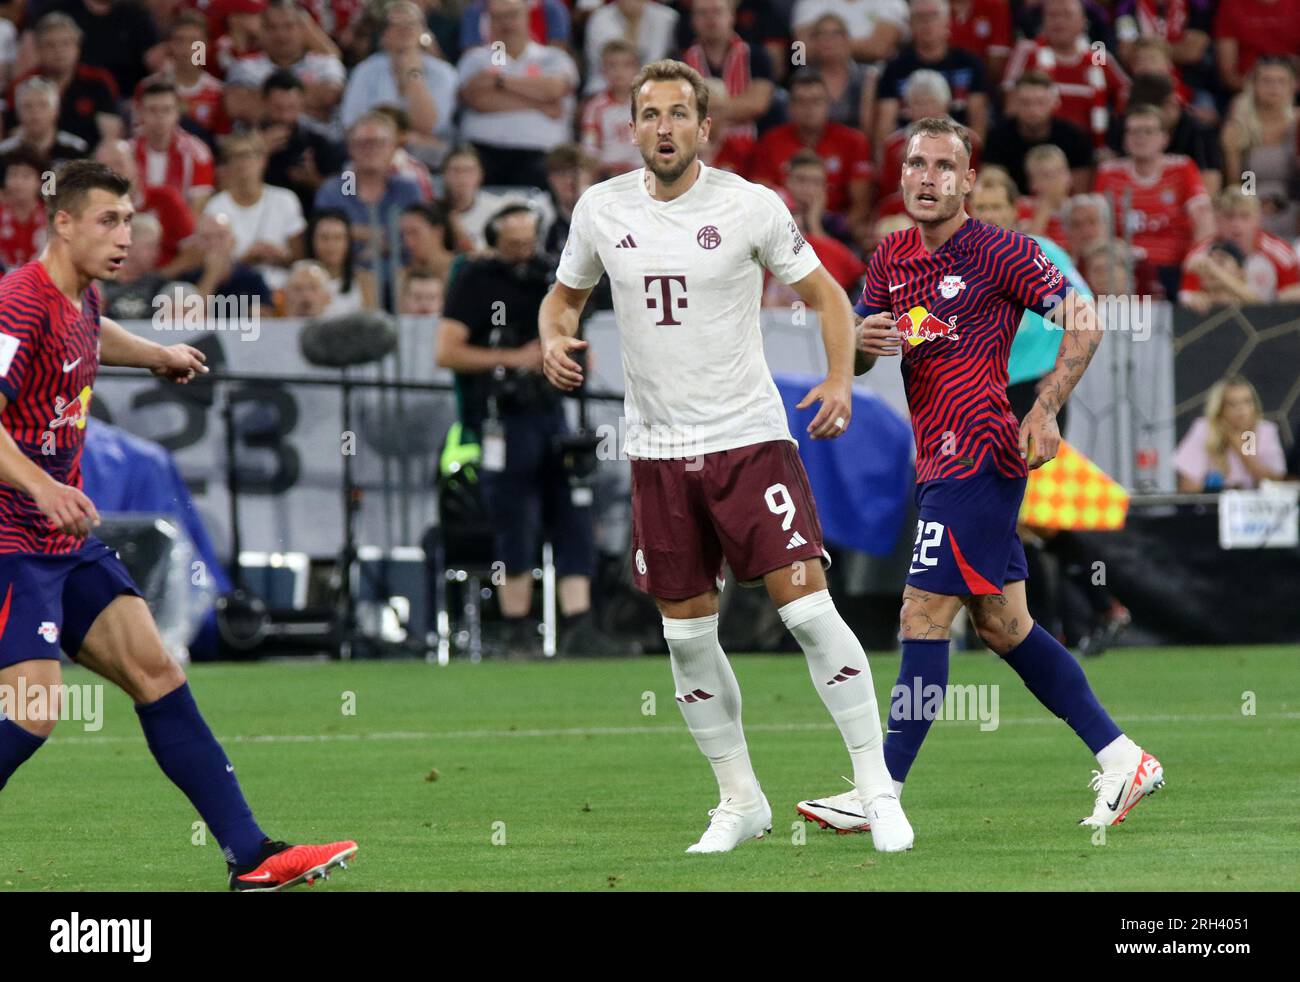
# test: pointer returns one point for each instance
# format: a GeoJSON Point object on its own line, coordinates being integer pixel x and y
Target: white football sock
{"type": "Point", "coordinates": [840, 672]}
{"type": "Point", "coordinates": [1120, 754]}
{"type": "Point", "coordinates": [709, 698]}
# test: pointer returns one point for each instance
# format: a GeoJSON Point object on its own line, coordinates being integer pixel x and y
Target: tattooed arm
{"type": "Point", "coordinates": [1039, 434]}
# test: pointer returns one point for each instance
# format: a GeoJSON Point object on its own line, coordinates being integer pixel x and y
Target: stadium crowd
{"type": "Point", "coordinates": [334, 154]}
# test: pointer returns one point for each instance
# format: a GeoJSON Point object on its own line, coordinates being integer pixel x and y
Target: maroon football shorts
{"type": "Point", "coordinates": [750, 506]}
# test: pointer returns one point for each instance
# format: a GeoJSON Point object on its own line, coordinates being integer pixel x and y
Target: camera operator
{"type": "Point", "coordinates": [488, 336]}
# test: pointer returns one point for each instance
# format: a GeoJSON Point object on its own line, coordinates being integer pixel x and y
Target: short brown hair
{"type": "Point", "coordinates": [76, 179]}
{"type": "Point", "coordinates": [993, 176]}
{"type": "Point", "coordinates": [1035, 77]}
{"type": "Point", "coordinates": [668, 70]}
{"type": "Point", "coordinates": [939, 126]}
{"type": "Point", "coordinates": [413, 273]}
{"type": "Point", "coordinates": [807, 158]}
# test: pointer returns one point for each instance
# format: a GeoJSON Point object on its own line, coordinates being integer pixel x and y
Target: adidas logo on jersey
{"type": "Point", "coordinates": [796, 541]}
{"type": "Point", "coordinates": [627, 242]}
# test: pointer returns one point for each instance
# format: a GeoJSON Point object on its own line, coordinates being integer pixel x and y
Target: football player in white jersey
{"type": "Point", "coordinates": [715, 472]}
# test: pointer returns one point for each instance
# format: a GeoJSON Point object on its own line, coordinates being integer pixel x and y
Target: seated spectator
{"type": "Point", "coordinates": [1032, 120]}
{"type": "Point", "coordinates": [221, 274]}
{"type": "Point", "coordinates": [37, 131]}
{"type": "Point", "coordinates": [405, 163]}
{"type": "Point", "coordinates": [1247, 31]}
{"type": "Point", "coordinates": [1160, 203]}
{"type": "Point", "coordinates": [300, 155]}
{"type": "Point", "coordinates": [1040, 212]}
{"type": "Point", "coordinates": [876, 27]}
{"type": "Point", "coordinates": [1231, 446]}
{"type": "Point", "coordinates": [518, 98]}
{"type": "Point", "coordinates": [369, 192]}
{"type": "Point", "coordinates": [430, 238]}
{"type": "Point", "coordinates": [548, 23]}
{"type": "Point", "coordinates": [8, 51]}
{"type": "Point", "coordinates": [1260, 137]}
{"type": "Point", "coordinates": [984, 28]}
{"type": "Point", "coordinates": [292, 41]}
{"type": "Point", "coordinates": [87, 96]}
{"type": "Point", "coordinates": [198, 90]}
{"type": "Point", "coordinates": [741, 80]}
{"type": "Point", "coordinates": [165, 154]}
{"type": "Point", "coordinates": [607, 116]}
{"type": "Point", "coordinates": [1108, 269]}
{"type": "Point", "coordinates": [843, 149]}
{"type": "Point", "coordinates": [306, 291]}
{"type": "Point", "coordinates": [116, 37]}
{"type": "Point", "coordinates": [1186, 34]}
{"type": "Point", "coordinates": [130, 295]}
{"type": "Point", "coordinates": [462, 187]}
{"type": "Point", "coordinates": [404, 74]}
{"type": "Point", "coordinates": [241, 35]}
{"type": "Point", "coordinates": [930, 48]}
{"type": "Point", "coordinates": [22, 210]}
{"type": "Point", "coordinates": [163, 202]}
{"type": "Point", "coordinates": [1187, 135]}
{"type": "Point", "coordinates": [1087, 221]}
{"type": "Point", "coordinates": [650, 26]}
{"type": "Point", "coordinates": [569, 172]}
{"type": "Point", "coordinates": [1089, 92]}
{"type": "Point", "coordinates": [994, 198]}
{"type": "Point", "coordinates": [242, 103]}
{"type": "Point", "coordinates": [846, 79]}
{"type": "Point", "coordinates": [1269, 271]}
{"type": "Point", "coordinates": [267, 221]}
{"type": "Point", "coordinates": [329, 242]}
{"type": "Point", "coordinates": [422, 293]}
{"type": "Point", "coordinates": [1151, 56]}
{"type": "Point", "coordinates": [807, 191]}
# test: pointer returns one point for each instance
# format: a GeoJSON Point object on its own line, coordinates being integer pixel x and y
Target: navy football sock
{"type": "Point", "coordinates": [913, 704]}
{"type": "Point", "coordinates": [190, 756]}
{"type": "Point", "coordinates": [1050, 672]}
{"type": "Point", "coordinates": [16, 745]}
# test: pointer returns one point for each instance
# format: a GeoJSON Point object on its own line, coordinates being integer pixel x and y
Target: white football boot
{"type": "Point", "coordinates": [1120, 789]}
{"type": "Point", "coordinates": [890, 829]}
{"type": "Point", "coordinates": [729, 826]}
{"type": "Point", "coordinates": [841, 812]}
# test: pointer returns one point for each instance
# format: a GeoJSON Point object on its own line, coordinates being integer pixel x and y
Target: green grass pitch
{"type": "Point", "coordinates": [581, 776]}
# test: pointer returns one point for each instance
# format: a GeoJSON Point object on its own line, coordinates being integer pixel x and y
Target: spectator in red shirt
{"type": "Point", "coordinates": [1245, 30]}
{"type": "Point", "coordinates": [844, 150]}
{"type": "Point", "coordinates": [1090, 87]}
{"type": "Point", "coordinates": [806, 190]}
{"type": "Point", "coordinates": [1161, 204]}
{"type": "Point", "coordinates": [983, 27]}
{"type": "Point", "coordinates": [22, 213]}
{"type": "Point", "coordinates": [1040, 212]}
{"type": "Point", "coordinates": [1269, 270]}
{"type": "Point", "coordinates": [199, 90]}
{"type": "Point", "coordinates": [87, 96]}
{"type": "Point", "coordinates": [165, 154]}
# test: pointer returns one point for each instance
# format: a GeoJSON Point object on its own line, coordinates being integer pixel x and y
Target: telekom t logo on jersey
{"type": "Point", "coordinates": [664, 302]}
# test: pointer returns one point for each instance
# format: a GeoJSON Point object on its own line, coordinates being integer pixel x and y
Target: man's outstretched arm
{"type": "Point", "coordinates": [119, 347]}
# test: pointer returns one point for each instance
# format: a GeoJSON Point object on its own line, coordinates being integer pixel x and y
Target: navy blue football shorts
{"type": "Point", "coordinates": [49, 602]}
{"type": "Point", "coordinates": [966, 539]}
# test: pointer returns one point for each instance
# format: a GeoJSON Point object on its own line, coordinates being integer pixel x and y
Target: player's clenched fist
{"type": "Point", "coordinates": [879, 334]}
{"type": "Point", "coordinates": [560, 369]}
{"type": "Point", "coordinates": [71, 511]}
{"type": "Point", "coordinates": [1040, 437]}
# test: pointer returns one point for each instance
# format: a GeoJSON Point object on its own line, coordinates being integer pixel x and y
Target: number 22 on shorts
{"type": "Point", "coordinates": [928, 536]}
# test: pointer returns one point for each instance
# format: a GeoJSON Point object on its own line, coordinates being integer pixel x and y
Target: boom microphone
{"type": "Point", "coordinates": [349, 339]}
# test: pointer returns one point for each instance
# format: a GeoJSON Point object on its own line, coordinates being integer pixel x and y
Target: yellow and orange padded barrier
{"type": "Point", "coordinates": [1072, 493]}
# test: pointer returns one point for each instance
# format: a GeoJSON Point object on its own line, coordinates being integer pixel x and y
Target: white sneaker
{"type": "Point", "coordinates": [841, 812]}
{"type": "Point", "coordinates": [890, 829]}
{"type": "Point", "coordinates": [729, 826]}
{"type": "Point", "coordinates": [1119, 790]}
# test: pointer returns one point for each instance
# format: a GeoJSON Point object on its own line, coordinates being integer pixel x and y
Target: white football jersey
{"type": "Point", "coordinates": [687, 278]}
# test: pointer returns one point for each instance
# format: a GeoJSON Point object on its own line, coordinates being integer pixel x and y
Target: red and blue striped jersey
{"type": "Point", "coordinates": [49, 354]}
{"type": "Point", "coordinates": [961, 307]}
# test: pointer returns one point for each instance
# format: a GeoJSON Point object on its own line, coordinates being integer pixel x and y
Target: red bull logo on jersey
{"type": "Point", "coordinates": [71, 412]}
{"type": "Point", "coordinates": [921, 325]}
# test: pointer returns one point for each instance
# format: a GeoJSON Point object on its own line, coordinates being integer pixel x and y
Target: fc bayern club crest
{"type": "Point", "coordinates": [709, 237]}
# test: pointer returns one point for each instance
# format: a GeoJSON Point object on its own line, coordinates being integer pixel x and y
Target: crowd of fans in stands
{"type": "Point", "coordinates": [336, 154]}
